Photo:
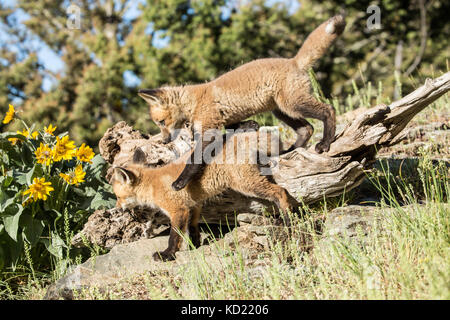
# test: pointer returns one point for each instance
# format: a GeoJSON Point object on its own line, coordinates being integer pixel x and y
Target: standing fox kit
{"type": "Point", "coordinates": [137, 184]}
{"type": "Point", "coordinates": [278, 85]}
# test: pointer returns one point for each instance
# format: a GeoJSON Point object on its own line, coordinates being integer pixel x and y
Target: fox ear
{"type": "Point", "coordinates": [125, 176]}
{"type": "Point", "coordinates": [139, 156]}
{"type": "Point", "coordinates": [150, 95]}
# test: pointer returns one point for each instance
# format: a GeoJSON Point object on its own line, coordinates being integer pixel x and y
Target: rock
{"type": "Point", "coordinates": [255, 219]}
{"type": "Point", "coordinates": [110, 144]}
{"type": "Point", "coordinates": [257, 234]}
{"type": "Point", "coordinates": [122, 261]}
{"type": "Point", "coordinates": [348, 221]}
{"type": "Point", "coordinates": [354, 220]}
{"type": "Point", "coordinates": [107, 228]}
{"type": "Point", "coordinates": [252, 240]}
{"type": "Point", "coordinates": [126, 259]}
{"type": "Point", "coordinates": [119, 142]}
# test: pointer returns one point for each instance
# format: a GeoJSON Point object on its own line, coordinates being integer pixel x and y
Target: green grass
{"type": "Point", "coordinates": [24, 282]}
{"type": "Point", "coordinates": [405, 256]}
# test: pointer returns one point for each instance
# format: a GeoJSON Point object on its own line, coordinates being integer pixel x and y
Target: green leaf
{"type": "Point", "coordinates": [6, 181]}
{"type": "Point", "coordinates": [2, 259]}
{"type": "Point", "coordinates": [27, 155]}
{"type": "Point", "coordinates": [7, 135]}
{"type": "Point", "coordinates": [102, 200]}
{"type": "Point", "coordinates": [5, 205]}
{"type": "Point", "coordinates": [13, 250]}
{"type": "Point", "coordinates": [29, 175]}
{"type": "Point", "coordinates": [31, 228]}
{"type": "Point", "coordinates": [11, 222]}
{"type": "Point", "coordinates": [97, 161]}
{"type": "Point", "coordinates": [4, 156]}
{"type": "Point", "coordinates": [56, 246]}
{"type": "Point", "coordinates": [20, 177]}
{"type": "Point", "coordinates": [31, 129]}
{"type": "Point", "coordinates": [36, 171]}
{"type": "Point", "coordinates": [88, 192]}
{"type": "Point", "coordinates": [65, 133]}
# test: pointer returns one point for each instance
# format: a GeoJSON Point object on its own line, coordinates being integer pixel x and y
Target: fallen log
{"type": "Point", "coordinates": [305, 174]}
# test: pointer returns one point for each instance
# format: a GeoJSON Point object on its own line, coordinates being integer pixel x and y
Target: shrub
{"type": "Point", "coordinates": [48, 188]}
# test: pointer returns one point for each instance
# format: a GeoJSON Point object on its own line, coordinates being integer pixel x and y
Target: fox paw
{"type": "Point", "coordinates": [163, 256]}
{"type": "Point", "coordinates": [322, 147]}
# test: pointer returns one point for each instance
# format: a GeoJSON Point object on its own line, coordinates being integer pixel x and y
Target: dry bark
{"type": "Point", "coordinates": [305, 174]}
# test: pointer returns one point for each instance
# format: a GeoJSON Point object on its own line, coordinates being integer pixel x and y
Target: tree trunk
{"type": "Point", "coordinates": [305, 174]}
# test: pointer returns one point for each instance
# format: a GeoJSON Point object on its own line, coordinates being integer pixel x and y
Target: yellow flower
{"type": "Point", "coordinates": [85, 153]}
{"type": "Point", "coordinates": [50, 129]}
{"type": "Point", "coordinates": [40, 189]}
{"type": "Point", "coordinates": [9, 115]}
{"type": "Point", "coordinates": [74, 177]}
{"type": "Point", "coordinates": [64, 149]}
{"type": "Point", "coordinates": [43, 154]}
{"type": "Point", "coordinates": [26, 134]}
{"type": "Point", "coordinates": [13, 140]}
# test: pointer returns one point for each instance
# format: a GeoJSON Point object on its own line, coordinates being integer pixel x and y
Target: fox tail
{"type": "Point", "coordinates": [319, 41]}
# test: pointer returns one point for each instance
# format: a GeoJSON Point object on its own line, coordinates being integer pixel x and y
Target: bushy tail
{"type": "Point", "coordinates": [319, 41]}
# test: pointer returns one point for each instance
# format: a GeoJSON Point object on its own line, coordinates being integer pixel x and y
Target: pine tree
{"type": "Point", "coordinates": [178, 42]}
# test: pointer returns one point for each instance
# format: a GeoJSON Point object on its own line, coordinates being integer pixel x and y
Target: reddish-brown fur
{"type": "Point", "coordinates": [278, 85]}
{"type": "Point", "coordinates": [140, 185]}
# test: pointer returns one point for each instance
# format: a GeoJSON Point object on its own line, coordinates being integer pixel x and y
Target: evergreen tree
{"type": "Point", "coordinates": [180, 41]}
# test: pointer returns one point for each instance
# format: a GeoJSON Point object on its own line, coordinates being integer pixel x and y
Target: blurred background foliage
{"type": "Point", "coordinates": [125, 45]}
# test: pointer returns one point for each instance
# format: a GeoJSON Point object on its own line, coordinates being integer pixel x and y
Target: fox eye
{"type": "Point", "coordinates": [161, 123]}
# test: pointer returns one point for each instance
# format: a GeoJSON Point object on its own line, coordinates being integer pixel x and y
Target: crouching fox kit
{"type": "Point", "coordinates": [276, 84]}
{"type": "Point", "coordinates": [137, 184]}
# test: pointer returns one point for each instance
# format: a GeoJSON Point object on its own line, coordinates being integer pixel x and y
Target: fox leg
{"type": "Point", "coordinates": [262, 188]}
{"type": "Point", "coordinates": [326, 114]}
{"type": "Point", "coordinates": [208, 120]}
{"type": "Point", "coordinates": [178, 223]}
{"type": "Point", "coordinates": [191, 168]}
{"type": "Point", "coordinates": [309, 107]}
{"type": "Point", "coordinates": [302, 127]}
{"type": "Point", "coordinates": [194, 231]}
{"type": "Point", "coordinates": [212, 122]}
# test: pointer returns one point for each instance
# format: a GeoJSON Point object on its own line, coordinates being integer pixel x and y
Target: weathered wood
{"type": "Point", "coordinates": [304, 173]}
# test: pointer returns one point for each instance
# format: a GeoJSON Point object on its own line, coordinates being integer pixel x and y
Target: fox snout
{"type": "Point", "coordinates": [165, 134]}
{"type": "Point", "coordinates": [126, 203]}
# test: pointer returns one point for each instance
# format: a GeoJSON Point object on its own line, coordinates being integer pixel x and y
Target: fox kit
{"type": "Point", "coordinates": [278, 85]}
{"type": "Point", "coordinates": [137, 184]}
